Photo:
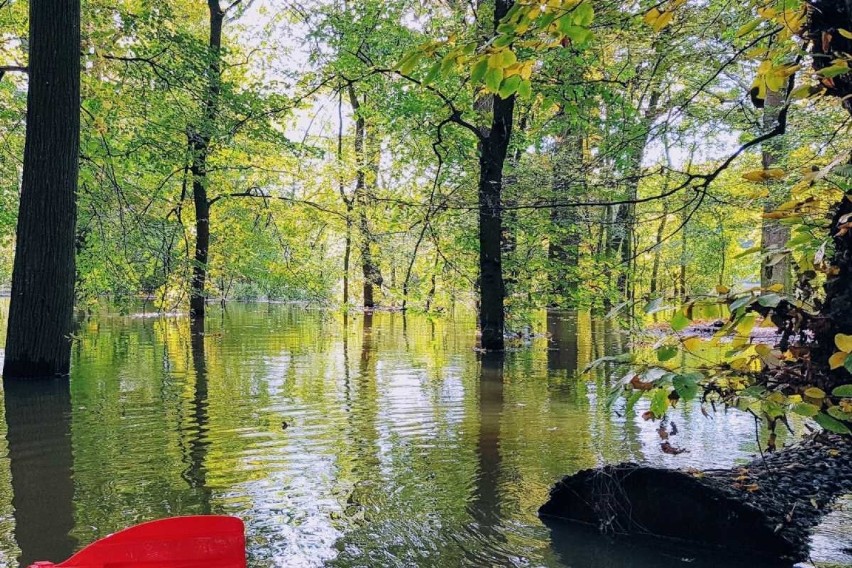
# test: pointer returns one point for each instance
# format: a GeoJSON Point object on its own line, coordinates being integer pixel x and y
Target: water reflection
{"type": "Point", "coordinates": [38, 418]}
{"type": "Point", "coordinates": [342, 440]}
{"type": "Point", "coordinates": [196, 430]}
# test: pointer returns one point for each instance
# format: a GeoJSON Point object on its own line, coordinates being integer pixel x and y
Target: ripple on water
{"type": "Point", "coordinates": [400, 448]}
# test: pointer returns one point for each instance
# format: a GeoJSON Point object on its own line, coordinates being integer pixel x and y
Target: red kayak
{"type": "Point", "coordinates": [179, 542]}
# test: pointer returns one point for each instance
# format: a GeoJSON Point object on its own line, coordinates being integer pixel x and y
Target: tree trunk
{"type": "Point", "coordinates": [41, 309]}
{"type": "Point", "coordinates": [658, 250]}
{"type": "Point", "coordinates": [492, 157]}
{"type": "Point", "coordinates": [199, 144]}
{"type": "Point", "coordinates": [827, 46]}
{"type": "Point", "coordinates": [774, 269]}
{"type": "Point", "coordinates": [347, 250]}
{"type": "Point", "coordinates": [564, 243]}
{"type": "Point", "coordinates": [624, 228]}
{"type": "Point", "coordinates": [369, 268]}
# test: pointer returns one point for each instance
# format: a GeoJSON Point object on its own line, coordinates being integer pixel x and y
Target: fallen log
{"type": "Point", "coordinates": [767, 507]}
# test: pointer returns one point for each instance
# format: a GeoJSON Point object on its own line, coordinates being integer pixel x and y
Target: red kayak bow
{"type": "Point", "coordinates": [178, 542]}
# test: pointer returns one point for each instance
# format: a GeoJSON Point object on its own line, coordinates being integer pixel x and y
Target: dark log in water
{"type": "Point", "coordinates": [767, 507]}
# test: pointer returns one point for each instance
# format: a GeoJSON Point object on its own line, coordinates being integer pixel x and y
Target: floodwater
{"type": "Point", "coordinates": [364, 440]}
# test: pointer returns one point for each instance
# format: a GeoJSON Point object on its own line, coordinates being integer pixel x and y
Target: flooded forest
{"type": "Point", "coordinates": [391, 283]}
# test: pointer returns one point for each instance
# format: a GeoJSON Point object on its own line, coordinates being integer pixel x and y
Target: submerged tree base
{"type": "Point", "coordinates": [765, 508]}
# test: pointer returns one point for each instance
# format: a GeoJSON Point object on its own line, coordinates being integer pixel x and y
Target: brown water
{"type": "Point", "coordinates": [402, 445]}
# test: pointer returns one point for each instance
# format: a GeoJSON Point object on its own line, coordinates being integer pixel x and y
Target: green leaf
{"type": "Point", "coordinates": [680, 321]}
{"type": "Point", "coordinates": [769, 300]}
{"type": "Point", "coordinates": [493, 78]}
{"type": "Point", "coordinates": [525, 89]}
{"type": "Point", "coordinates": [843, 391]}
{"type": "Point", "coordinates": [479, 69]}
{"type": "Point", "coordinates": [433, 73]}
{"type": "Point", "coordinates": [740, 302]}
{"type": "Point", "coordinates": [448, 63]}
{"type": "Point", "coordinates": [754, 390]}
{"type": "Point", "coordinates": [836, 412]}
{"type": "Point", "coordinates": [578, 35]}
{"type": "Point", "coordinates": [847, 363]}
{"type": "Point", "coordinates": [508, 57]}
{"type": "Point", "coordinates": [632, 400]}
{"type": "Point", "coordinates": [831, 424]}
{"type": "Point", "coordinates": [806, 409]}
{"type": "Point", "coordinates": [667, 352]}
{"type": "Point", "coordinates": [409, 62]}
{"type": "Point", "coordinates": [686, 386]}
{"type": "Point", "coordinates": [660, 402]}
{"type": "Point", "coordinates": [834, 70]}
{"type": "Point", "coordinates": [509, 86]}
{"type": "Point", "coordinates": [584, 14]}
{"type": "Point", "coordinates": [503, 40]}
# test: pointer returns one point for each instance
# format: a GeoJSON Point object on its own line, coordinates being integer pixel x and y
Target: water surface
{"type": "Point", "coordinates": [359, 440]}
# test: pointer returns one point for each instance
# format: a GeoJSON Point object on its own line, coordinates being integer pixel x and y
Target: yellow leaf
{"type": "Point", "coordinates": [722, 289]}
{"type": "Point", "coordinates": [843, 342]}
{"type": "Point", "coordinates": [651, 16]}
{"type": "Point", "coordinates": [764, 175]}
{"type": "Point", "coordinates": [801, 92]}
{"type": "Point", "coordinates": [814, 392]}
{"type": "Point", "coordinates": [774, 81]}
{"type": "Point", "coordinates": [836, 361]}
{"type": "Point", "coordinates": [767, 12]}
{"type": "Point", "coordinates": [691, 343]}
{"type": "Point", "coordinates": [765, 67]}
{"type": "Point", "coordinates": [663, 21]}
{"type": "Point", "coordinates": [845, 33]}
{"type": "Point", "coordinates": [776, 287]}
{"type": "Point", "coordinates": [748, 28]}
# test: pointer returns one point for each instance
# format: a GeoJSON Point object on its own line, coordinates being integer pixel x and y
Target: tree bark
{"type": "Point", "coordinates": [199, 145]}
{"type": "Point", "coordinates": [624, 228]}
{"type": "Point", "coordinates": [773, 235]}
{"type": "Point", "coordinates": [371, 272]}
{"type": "Point", "coordinates": [826, 45]}
{"type": "Point", "coordinates": [492, 157]}
{"type": "Point", "coordinates": [41, 309]}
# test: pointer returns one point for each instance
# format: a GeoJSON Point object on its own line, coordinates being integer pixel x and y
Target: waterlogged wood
{"type": "Point", "coordinates": [41, 310]}
{"type": "Point", "coordinates": [766, 508]}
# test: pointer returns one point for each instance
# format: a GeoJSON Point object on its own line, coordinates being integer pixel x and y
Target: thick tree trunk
{"type": "Point", "coordinates": [41, 310]}
{"type": "Point", "coordinates": [774, 269]}
{"type": "Point", "coordinates": [824, 19]}
{"type": "Point", "coordinates": [199, 144]}
{"type": "Point", "coordinates": [492, 157]}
